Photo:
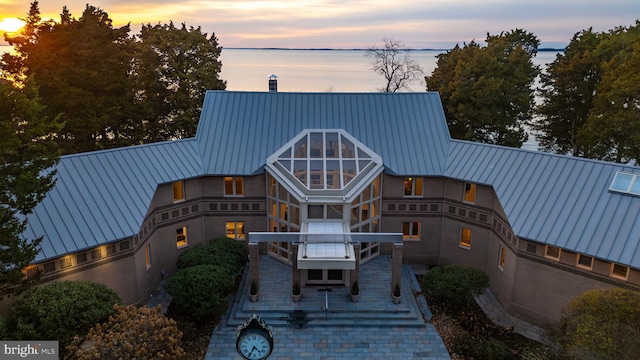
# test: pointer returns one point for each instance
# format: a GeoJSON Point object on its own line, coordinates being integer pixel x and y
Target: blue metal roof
{"type": "Point", "coordinates": [563, 201]}
{"type": "Point", "coordinates": [239, 130]}
{"type": "Point", "coordinates": [103, 196]}
{"type": "Point", "coordinates": [557, 200]}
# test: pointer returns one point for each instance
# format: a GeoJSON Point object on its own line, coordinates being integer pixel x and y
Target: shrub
{"type": "Point", "coordinates": [481, 348]}
{"type": "Point", "coordinates": [455, 285]}
{"type": "Point", "coordinates": [200, 292]}
{"type": "Point", "coordinates": [132, 333]}
{"type": "Point", "coordinates": [603, 324]}
{"type": "Point", "coordinates": [60, 310]}
{"type": "Point", "coordinates": [226, 253]}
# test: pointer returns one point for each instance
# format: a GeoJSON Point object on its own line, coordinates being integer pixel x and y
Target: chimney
{"type": "Point", "coordinates": [273, 83]}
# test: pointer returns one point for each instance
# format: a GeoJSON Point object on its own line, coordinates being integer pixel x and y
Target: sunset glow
{"type": "Point", "coordinates": [435, 24]}
{"type": "Point", "coordinates": [11, 25]}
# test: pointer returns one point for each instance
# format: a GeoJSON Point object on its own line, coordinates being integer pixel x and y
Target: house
{"type": "Point", "coordinates": [339, 168]}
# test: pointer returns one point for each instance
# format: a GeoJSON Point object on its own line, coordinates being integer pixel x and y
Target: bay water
{"type": "Point", "coordinates": [307, 70]}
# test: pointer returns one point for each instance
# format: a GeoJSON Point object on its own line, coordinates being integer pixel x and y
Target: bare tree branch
{"type": "Point", "coordinates": [394, 62]}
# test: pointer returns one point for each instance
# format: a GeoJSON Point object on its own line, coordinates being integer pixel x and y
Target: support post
{"type": "Point", "coordinates": [296, 275]}
{"type": "Point", "coordinates": [354, 275]}
{"type": "Point", "coordinates": [254, 264]}
{"type": "Point", "coordinates": [396, 265]}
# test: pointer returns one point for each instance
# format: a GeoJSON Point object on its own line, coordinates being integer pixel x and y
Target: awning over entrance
{"type": "Point", "coordinates": [327, 245]}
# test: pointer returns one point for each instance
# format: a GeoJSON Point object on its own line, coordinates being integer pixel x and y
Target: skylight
{"type": "Point", "coordinates": [325, 160]}
{"type": "Point", "coordinates": [626, 183]}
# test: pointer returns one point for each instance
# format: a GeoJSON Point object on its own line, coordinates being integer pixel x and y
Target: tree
{"type": "Point", "coordinates": [174, 69]}
{"type": "Point", "coordinates": [394, 62]}
{"type": "Point", "coordinates": [82, 67]}
{"type": "Point", "coordinates": [132, 333]}
{"type": "Point", "coordinates": [568, 88]}
{"type": "Point", "coordinates": [60, 310]}
{"type": "Point", "coordinates": [612, 130]}
{"type": "Point", "coordinates": [27, 155]}
{"type": "Point", "coordinates": [603, 324]}
{"type": "Point", "coordinates": [487, 91]}
{"type": "Point", "coordinates": [14, 65]}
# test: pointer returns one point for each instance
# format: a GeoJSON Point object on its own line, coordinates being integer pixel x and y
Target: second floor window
{"type": "Point", "coordinates": [470, 193]}
{"type": "Point", "coordinates": [178, 191]}
{"type": "Point", "coordinates": [413, 186]}
{"type": "Point", "coordinates": [233, 186]}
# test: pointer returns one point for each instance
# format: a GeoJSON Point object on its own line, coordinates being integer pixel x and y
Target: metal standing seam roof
{"type": "Point", "coordinates": [563, 201]}
{"type": "Point", "coordinates": [103, 196]}
{"type": "Point", "coordinates": [557, 200]}
{"type": "Point", "coordinates": [239, 130]}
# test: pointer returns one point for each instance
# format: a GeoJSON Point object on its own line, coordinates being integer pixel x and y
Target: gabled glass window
{"type": "Point", "coordinates": [626, 183]}
{"type": "Point", "coordinates": [325, 160]}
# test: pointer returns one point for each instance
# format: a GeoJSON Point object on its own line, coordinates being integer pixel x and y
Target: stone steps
{"type": "Point", "coordinates": [372, 309]}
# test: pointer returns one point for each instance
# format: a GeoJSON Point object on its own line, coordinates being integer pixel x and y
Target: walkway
{"type": "Point", "coordinates": [328, 325]}
{"type": "Point", "coordinates": [494, 310]}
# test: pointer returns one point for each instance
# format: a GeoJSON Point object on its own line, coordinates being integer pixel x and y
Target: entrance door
{"type": "Point", "coordinates": [325, 277]}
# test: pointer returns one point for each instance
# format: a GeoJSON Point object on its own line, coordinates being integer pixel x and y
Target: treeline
{"type": "Point", "coordinates": [590, 94]}
{"type": "Point", "coordinates": [108, 88]}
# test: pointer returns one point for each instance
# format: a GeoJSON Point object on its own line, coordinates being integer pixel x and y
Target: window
{"type": "Point", "coordinates": [411, 230]}
{"type": "Point", "coordinates": [181, 237]}
{"type": "Point", "coordinates": [235, 230]}
{"type": "Point", "coordinates": [49, 267]}
{"type": "Point", "coordinates": [65, 262]}
{"type": "Point", "coordinates": [465, 238]}
{"type": "Point", "coordinates": [81, 258]}
{"type": "Point", "coordinates": [413, 186]}
{"type": "Point", "coordinates": [178, 191]}
{"type": "Point", "coordinates": [469, 193]}
{"type": "Point", "coordinates": [111, 249]}
{"type": "Point", "coordinates": [619, 271]}
{"type": "Point", "coordinates": [124, 245]}
{"type": "Point", "coordinates": [233, 186]}
{"type": "Point", "coordinates": [501, 256]}
{"type": "Point", "coordinates": [584, 261]}
{"type": "Point", "coordinates": [626, 183]}
{"type": "Point", "coordinates": [96, 253]}
{"type": "Point", "coordinates": [552, 252]}
{"type": "Point", "coordinates": [147, 256]}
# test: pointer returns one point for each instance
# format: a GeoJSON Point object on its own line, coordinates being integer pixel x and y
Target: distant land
{"type": "Point", "coordinates": [354, 49]}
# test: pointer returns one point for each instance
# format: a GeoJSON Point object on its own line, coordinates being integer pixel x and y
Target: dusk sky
{"type": "Point", "coordinates": [356, 23]}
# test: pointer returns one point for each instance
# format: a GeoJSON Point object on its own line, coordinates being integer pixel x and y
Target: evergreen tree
{"type": "Point", "coordinates": [568, 88]}
{"type": "Point", "coordinates": [487, 91]}
{"type": "Point", "coordinates": [591, 101]}
{"type": "Point", "coordinates": [174, 69]}
{"type": "Point", "coordinates": [27, 153]}
{"type": "Point", "coordinates": [612, 130]}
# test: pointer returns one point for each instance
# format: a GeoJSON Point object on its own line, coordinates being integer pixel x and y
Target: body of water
{"type": "Point", "coordinates": [314, 70]}
{"type": "Point", "coordinates": [319, 70]}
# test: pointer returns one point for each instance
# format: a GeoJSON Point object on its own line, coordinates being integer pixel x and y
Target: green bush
{"type": "Point", "coordinates": [481, 348]}
{"type": "Point", "coordinates": [455, 285]}
{"type": "Point", "coordinates": [60, 310]}
{"type": "Point", "coordinates": [603, 324]}
{"type": "Point", "coordinates": [223, 252]}
{"type": "Point", "coordinates": [200, 292]}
